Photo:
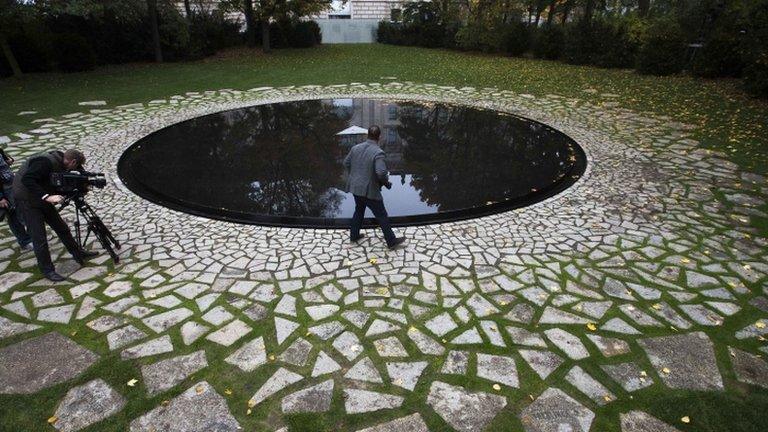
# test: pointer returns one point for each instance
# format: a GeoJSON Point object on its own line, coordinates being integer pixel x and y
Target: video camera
{"type": "Point", "coordinates": [77, 181]}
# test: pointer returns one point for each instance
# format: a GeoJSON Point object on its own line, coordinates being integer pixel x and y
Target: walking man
{"type": "Point", "coordinates": [36, 198]}
{"type": "Point", "coordinates": [366, 174]}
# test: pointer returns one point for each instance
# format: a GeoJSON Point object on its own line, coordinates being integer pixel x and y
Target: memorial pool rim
{"type": "Point", "coordinates": [575, 173]}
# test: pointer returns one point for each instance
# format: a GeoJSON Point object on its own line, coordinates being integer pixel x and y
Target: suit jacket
{"type": "Point", "coordinates": [366, 170]}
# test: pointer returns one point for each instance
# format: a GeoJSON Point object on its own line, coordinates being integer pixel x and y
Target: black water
{"type": "Point", "coordinates": [280, 164]}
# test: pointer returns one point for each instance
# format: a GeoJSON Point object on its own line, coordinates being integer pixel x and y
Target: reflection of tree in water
{"type": "Point", "coordinates": [463, 157]}
{"type": "Point", "coordinates": [269, 159]}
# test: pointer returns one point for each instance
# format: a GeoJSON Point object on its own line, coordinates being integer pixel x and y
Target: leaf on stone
{"type": "Point", "coordinates": [760, 325]}
{"type": "Point", "coordinates": [373, 261]}
{"type": "Point", "coordinates": [666, 370]}
{"type": "Point", "coordinates": [52, 419]}
{"type": "Point", "coordinates": [199, 389]}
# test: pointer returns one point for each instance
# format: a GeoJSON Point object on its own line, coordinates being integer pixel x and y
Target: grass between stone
{"type": "Point", "coordinates": [727, 118]}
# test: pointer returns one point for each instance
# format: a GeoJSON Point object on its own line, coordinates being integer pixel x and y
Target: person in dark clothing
{"type": "Point", "coordinates": [8, 209]}
{"type": "Point", "coordinates": [36, 198]}
{"type": "Point", "coordinates": [366, 174]}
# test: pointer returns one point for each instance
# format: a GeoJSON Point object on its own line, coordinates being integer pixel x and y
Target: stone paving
{"type": "Point", "coordinates": [627, 281]}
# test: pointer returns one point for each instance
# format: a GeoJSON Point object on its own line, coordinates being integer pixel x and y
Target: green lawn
{"type": "Point", "coordinates": [730, 120]}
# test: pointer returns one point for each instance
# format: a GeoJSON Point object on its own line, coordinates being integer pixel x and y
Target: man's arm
{"type": "Point", "coordinates": [38, 172]}
{"type": "Point", "coordinates": [381, 169]}
{"type": "Point", "coordinates": [348, 161]}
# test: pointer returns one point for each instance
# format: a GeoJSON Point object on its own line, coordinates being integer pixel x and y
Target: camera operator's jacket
{"type": "Point", "coordinates": [33, 180]}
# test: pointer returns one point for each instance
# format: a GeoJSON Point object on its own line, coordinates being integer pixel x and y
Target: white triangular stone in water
{"type": "Point", "coordinates": [278, 381]}
{"type": "Point", "coordinates": [364, 370]}
{"type": "Point", "coordinates": [324, 365]}
{"type": "Point", "coordinates": [284, 328]}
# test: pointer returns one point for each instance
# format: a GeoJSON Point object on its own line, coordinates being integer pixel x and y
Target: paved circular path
{"type": "Point", "coordinates": [644, 275]}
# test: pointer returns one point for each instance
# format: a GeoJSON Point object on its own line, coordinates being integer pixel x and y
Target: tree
{"type": "Point", "coordinates": [152, 8]}
{"type": "Point", "coordinates": [266, 11]}
{"type": "Point", "coordinates": [10, 12]}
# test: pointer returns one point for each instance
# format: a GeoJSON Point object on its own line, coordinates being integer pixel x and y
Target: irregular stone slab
{"type": "Point", "coordinates": [638, 421]}
{"type": "Point", "coordinates": [312, 399]}
{"type": "Point", "coordinates": [390, 347]}
{"type": "Point", "coordinates": [456, 363]}
{"type": "Point", "coordinates": [464, 411]}
{"type": "Point", "coordinates": [281, 379]}
{"type": "Point", "coordinates": [118, 288]}
{"type": "Point", "coordinates": [163, 321]}
{"type": "Point", "coordinates": [364, 370]}
{"type": "Point", "coordinates": [380, 327]}
{"type": "Point", "coordinates": [298, 353]}
{"type": "Point", "coordinates": [441, 324]}
{"type": "Point", "coordinates": [9, 280]}
{"type": "Point", "coordinates": [356, 317]}
{"type": "Point", "coordinates": [249, 356]}
{"type": "Point", "coordinates": [217, 316]}
{"type": "Point", "coordinates": [192, 331]}
{"type": "Point", "coordinates": [105, 323]}
{"type": "Point", "coordinates": [166, 374]}
{"type": "Point", "coordinates": [609, 347]}
{"type": "Point", "coordinates": [327, 330]}
{"type": "Point", "coordinates": [157, 346]}
{"type": "Point", "coordinates": [542, 362]}
{"type": "Point", "coordinates": [18, 308]}
{"type": "Point", "coordinates": [555, 411]}
{"type": "Point", "coordinates": [568, 343]}
{"type": "Point", "coordinates": [320, 312]}
{"type": "Point", "coordinates": [521, 336]}
{"type": "Point", "coordinates": [284, 328]}
{"type": "Point", "coordinates": [348, 345]}
{"type": "Point", "coordinates": [58, 314]}
{"type": "Point", "coordinates": [492, 331]}
{"type": "Point", "coordinates": [48, 297]}
{"type": "Point", "coordinates": [324, 365]}
{"type": "Point", "coordinates": [10, 328]}
{"type": "Point", "coordinates": [286, 305]}
{"type": "Point", "coordinates": [499, 369]}
{"type": "Point", "coordinates": [589, 386]}
{"type": "Point", "coordinates": [628, 375]}
{"type": "Point", "coordinates": [230, 333]}
{"type": "Point", "coordinates": [411, 423]}
{"type": "Point", "coordinates": [480, 306]}
{"type": "Point", "coordinates": [424, 343]}
{"type": "Point", "coordinates": [469, 337]}
{"type": "Point", "coordinates": [362, 401]}
{"type": "Point", "coordinates": [690, 359]}
{"type": "Point", "coordinates": [198, 409]}
{"type": "Point", "coordinates": [556, 316]}
{"type": "Point", "coordinates": [87, 273]}
{"type": "Point", "coordinates": [405, 374]}
{"type": "Point", "coordinates": [41, 362]}
{"type": "Point", "coordinates": [749, 368]}
{"type": "Point", "coordinates": [87, 404]}
{"type": "Point", "coordinates": [124, 336]}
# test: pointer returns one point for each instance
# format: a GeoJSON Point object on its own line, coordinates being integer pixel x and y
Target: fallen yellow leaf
{"type": "Point", "coordinates": [132, 382]}
{"type": "Point", "coordinates": [52, 420]}
{"type": "Point", "coordinates": [666, 370]}
{"type": "Point", "coordinates": [199, 389]}
{"type": "Point", "coordinates": [496, 387]}
{"type": "Point", "coordinates": [592, 326]}
{"type": "Point", "coordinates": [685, 419]}
{"type": "Point", "coordinates": [228, 391]}
{"type": "Point", "coordinates": [373, 261]}
{"type": "Point", "coordinates": [251, 403]}
{"type": "Point", "coordinates": [760, 324]}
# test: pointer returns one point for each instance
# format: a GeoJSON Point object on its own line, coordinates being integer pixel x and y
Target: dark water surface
{"type": "Point", "coordinates": [281, 164]}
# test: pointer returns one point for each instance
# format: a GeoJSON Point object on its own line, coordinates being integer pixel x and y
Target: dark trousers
{"type": "Point", "coordinates": [36, 217]}
{"type": "Point", "coordinates": [377, 207]}
{"type": "Point", "coordinates": [15, 221]}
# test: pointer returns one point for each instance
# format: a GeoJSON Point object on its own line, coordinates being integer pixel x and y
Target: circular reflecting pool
{"type": "Point", "coordinates": [281, 164]}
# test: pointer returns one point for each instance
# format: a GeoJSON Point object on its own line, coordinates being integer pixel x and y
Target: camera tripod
{"type": "Point", "coordinates": [94, 225]}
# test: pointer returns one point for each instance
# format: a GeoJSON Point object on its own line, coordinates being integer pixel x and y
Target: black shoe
{"type": "Point", "coordinates": [397, 242]}
{"type": "Point", "coordinates": [54, 277]}
{"type": "Point", "coordinates": [355, 240]}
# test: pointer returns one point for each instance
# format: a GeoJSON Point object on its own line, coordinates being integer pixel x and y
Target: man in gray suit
{"type": "Point", "coordinates": [366, 174]}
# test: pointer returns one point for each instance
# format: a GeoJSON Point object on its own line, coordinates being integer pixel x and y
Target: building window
{"type": "Point", "coordinates": [392, 112]}
{"type": "Point", "coordinates": [396, 15]}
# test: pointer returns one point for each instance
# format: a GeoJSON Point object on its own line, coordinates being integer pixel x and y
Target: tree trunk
{"type": "Point", "coordinates": [188, 9]}
{"type": "Point", "coordinates": [589, 9]}
{"type": "Point", "coordinates": [538, 17]}
{"type": "Point", "coordinates": [551, 14]}
{"type": "Point", "coordinates": [644, 6]}
{"type": "Point", "coordinates": [9, 56]}
{"type": "Point", "coordinates": [250, 31]}
{"type": "Point", "coordinates": [265, 35]}
{"type": "Point", "coordinates": [152, 6]}
{"type": "Point", "coordinates": [566, 11]}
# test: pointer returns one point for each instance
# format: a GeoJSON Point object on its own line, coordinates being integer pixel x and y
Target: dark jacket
{"type": "Point", "coordinates": [366, 170]}
{"type": "Point", "coordinates": [33, 180]}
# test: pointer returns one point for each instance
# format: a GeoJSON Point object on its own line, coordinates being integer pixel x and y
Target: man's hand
{"type": "Point", "coordinates": [3, 203]}
{"type": "Point", "coordinates": [54, 199]}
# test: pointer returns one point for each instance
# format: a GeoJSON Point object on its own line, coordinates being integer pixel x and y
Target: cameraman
{"type": "Point", "coordinates": [36, 198]}
{"type": "Point", "coordinates": [7, 203]}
